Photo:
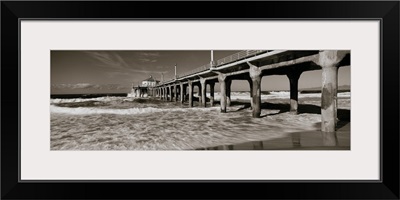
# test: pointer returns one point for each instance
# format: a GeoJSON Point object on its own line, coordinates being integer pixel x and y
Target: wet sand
{"type": "Point", "coordinates": [307, 140]}
{"type": "Point", "coordinates": [120, 123]}
{"type": "Point", "coordinates": [303, 140]}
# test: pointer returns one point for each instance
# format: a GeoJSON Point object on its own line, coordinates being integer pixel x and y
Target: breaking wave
{"type": "Point", "coordinates": [128, 111]}
{"type": "Point", "coordinates": [77, 100]}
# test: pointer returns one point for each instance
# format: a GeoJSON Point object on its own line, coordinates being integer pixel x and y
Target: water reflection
{"type": "Point", "coordinates": [329, 139]}
{"type": "Point", "coordinates": [259, 145]}
{"type": "Point", "coordinates": [314, 140]}
{"type": "Point", "coordinates": [296, 139]}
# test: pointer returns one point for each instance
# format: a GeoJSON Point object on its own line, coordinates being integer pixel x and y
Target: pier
{"type": "Point", "coordinates": [252, 66]}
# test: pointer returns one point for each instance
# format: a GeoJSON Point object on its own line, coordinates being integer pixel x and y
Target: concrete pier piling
{"type": "Point", "coordinates": [190, 93]}
{"type": "Point", "coordinates": [171, 94]}
{"type": "Point", "coordinates": [228, 92]}
{"type": "Point", "coordinates": [181, 89]}
{"type": "Point", "coordinates": [255, 75]}
{"type": "Point", "coordinates": [212, 85]}
{"type": "Point", "coordinates": [329, 61]}
{"type": "Point", "coordinates": [251, 92]}
{"type": "Point", "coordinates": [176, 92]}
{"type": "Point", "coordinates": [199, 92]}
{"type": "Point", "coordinates": [165, 94]}
{"type": "Point", "coordinates": [328, 101]}
{"type": "Point", "coordinates": [203, 92]}
{"type": "Point", "coordinates": [294, 90]}
{"type": "Point", "coordinates": [222, 83]}
{"type": "Point", "coordinates": [252, 67]}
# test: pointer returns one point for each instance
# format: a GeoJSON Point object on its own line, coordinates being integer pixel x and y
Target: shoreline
{"type": "Point", "coordinates": [176, 128]}
{"type": "Point", "coordinates": [304, 140]}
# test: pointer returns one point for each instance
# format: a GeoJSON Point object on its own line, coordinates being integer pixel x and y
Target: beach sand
{"type": "Point", "coordinates": [119, 123]}
{"type": "Point", "coordinates": [307, 140]}
{"type": "Point", "coordinates": [302, 140]}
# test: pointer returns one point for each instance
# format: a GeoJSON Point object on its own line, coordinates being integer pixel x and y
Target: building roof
{"type": "Point", "coordinates": [150, 79]}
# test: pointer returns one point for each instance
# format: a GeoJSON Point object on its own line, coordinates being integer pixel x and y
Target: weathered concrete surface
{"type": "Point", "coordinates": [170, 93]}
{"type": "Point", "coordinates": [181, 89]}
{"type": "Point", "coordinates": [222, 83]}
{"type": "Point", "coordinates": [255, 75]}
{"type": "Point", "coordinates": [185, 92]}
{"type": "Point", "coordinates": [190, 93]}
{"type": "Point", "coordinates": [329, 60]}
{"type": "Point", "coordinates": [328, 99]}
{"type": "Point", "coordinates": [203, 92]}
{"type": "Point", "coordinates": [251, 92]}
{"type": "Point", "coordinates": [176, 92]}
{"type": "Point", "coordinates": [228, 92]}
{"type": "Point", "coordinates": [293, 81]}
{"type": "Point", "coordinates": [212, 85]}
{"type": "Point", "coordinates": [165, 93]}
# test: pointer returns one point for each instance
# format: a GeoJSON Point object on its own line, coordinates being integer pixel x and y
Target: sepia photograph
{"type": "Point", "coordinates": [111, 97]}
{"type": "Point", "coordinates": [200, 100]}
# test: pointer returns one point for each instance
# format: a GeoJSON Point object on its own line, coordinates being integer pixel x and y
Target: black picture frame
{"type": "Point", "coordinates": [386, 11]}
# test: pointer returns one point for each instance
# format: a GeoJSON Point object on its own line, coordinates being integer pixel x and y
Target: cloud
{"type": "Point", "coordinates": [148, 57]}
{"type": "Point", "coordinates": [147, 60]}
{"type": "Point", "coordinates": [115, 62]}
{"type": "Point", "coordinates": [89, 86]}
{"type": "Point", "coordinates": [149, 54]}
{"type": "Point", "coordinates": [111, 60]}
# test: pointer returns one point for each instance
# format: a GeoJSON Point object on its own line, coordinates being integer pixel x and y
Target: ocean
{"type": "Point", "coordinates": [122, 122]}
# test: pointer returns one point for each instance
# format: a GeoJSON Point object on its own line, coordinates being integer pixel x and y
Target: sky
{"type": "Point", "coordinates": [84, 72]}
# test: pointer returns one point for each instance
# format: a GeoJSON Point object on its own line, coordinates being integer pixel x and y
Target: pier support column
{"type": "Point", "coordinates": [212, 85]}
{"type": "Point", "coordinates": [170, 93]}
{"type": "Point", "coordinates": [329, 61]}
{"type": "Point", "coordinates": [222, 82]}
{"type": "Point", "coordinates": [328, 99]}
{"type": "Point", "coordinates": [190, 93]}
{"type": "Point", "coordinates": [199, 93]}
{"type": "Point", "coordinates": [203, 92]}
{"type": "Point", "coordinates": [185, 92]}
{"type": "Point", "coordinates": [176, 93]}
{"type": "Point", "coordinates": [251, 92]}
{"type": "Point", "coordinates": [165, 94]}
{"type": "Point", "coordinates": [181, 91]}
{"type": "Point", "coordinates": [255, 75]}
{"type": "Point", "coordinates": [294, 90]}
{"type": "Point", "coordinates": [228, 92]}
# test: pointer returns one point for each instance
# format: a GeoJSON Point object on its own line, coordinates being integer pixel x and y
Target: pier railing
{"type": "Point", "coordinates": [226, 60]}
{"type": "Point", "coordinates": [238, 56]}
{"type": "Point", "coordinates": [197, 70]}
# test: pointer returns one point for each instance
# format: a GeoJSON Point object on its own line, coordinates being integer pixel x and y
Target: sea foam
{"type": "Point", "coordinates": [129, 111]}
